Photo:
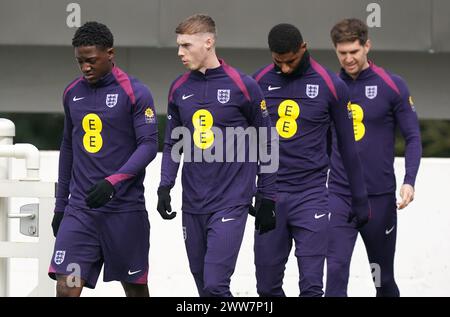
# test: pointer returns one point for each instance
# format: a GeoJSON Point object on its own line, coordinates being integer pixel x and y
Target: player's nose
{"type": "Point", "coordinates": [180, 51]}
{"type": "Point", "coordinates": [348, 58]}
{"type": "Point", "coordinates": [285, 69]}
{"type": "Point", "coordinates": [86, 68]}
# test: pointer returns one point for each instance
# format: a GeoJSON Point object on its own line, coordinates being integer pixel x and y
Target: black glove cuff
{"type": "Point", "coordinates": [163, 190]}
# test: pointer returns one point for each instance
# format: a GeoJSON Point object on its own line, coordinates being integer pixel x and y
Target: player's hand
{"type": "Point", "coordinates": [56, 222]}
{"type": "Point", "coordinates": [164, 208]}
{"type": "Point", "coordinates": [360, 212]}
{"type": "Point", "coordinates": [265, 219]}
{"type": "Point", "coordinates": [100, 194]}
{"type": "Point", "coordinates": [407, 195]}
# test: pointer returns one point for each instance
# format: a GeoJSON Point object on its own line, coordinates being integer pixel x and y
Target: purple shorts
{"type": "Point", "coordinates": [88, 239]}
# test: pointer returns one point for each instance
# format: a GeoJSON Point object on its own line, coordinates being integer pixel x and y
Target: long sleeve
{"type": "Point", "coordinates": [258, 116]}
{"type": "Point", "coordinates": [169, 167]}
{"type": "Point", "coordinates": [406, 118]}
{"type": "Point", "coordinates": [146, 132]}
{"type": "Point", "coordinates": [346, 143]}
{"type": "Point", "coordinates": [65, 164]}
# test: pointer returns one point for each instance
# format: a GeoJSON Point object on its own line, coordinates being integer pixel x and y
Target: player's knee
{"type": "Point", "coordinates": [311, 284]}
{"type": "Point", "coordinates": [135, 290]}
{"type": "Point", "coordinates": [337, 280]}
{"type": "Point", "coordinates": [388, 288]}
{"type": "Point", "coordinates": [216, 287]}
{"type": "Point", "coordinates": [269, 280]}
{"type": "Point", "coordinates": [337, 269]}
{"type": "Point", "coordinates": [63, 290]}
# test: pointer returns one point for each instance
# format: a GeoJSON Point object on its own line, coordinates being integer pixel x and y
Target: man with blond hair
{"type": "Point", "coordinates": [206, 102]}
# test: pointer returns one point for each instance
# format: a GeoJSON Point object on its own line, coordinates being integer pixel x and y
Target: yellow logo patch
{"type": "Point", "coordinates": [203, 136]}
{"type": "Point", "coordinates": [288, 111]}
{"type": "Point", "coordinates": [263, 105]}
{"type": "Point", "coordinates": [92, 139]}
{"type": "Point", "coordinates": [149, 115]}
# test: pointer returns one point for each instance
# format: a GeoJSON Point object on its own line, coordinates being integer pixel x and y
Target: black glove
{"type": "Point", "coordinates": [57, 218]}
{"type": "Point", "coordinates": [164, 208]}
{"type": "Point", "coordinates": [100, 194]}
{"type": "Point", "coordinates": [264, 212]}
{"type": "Point", "coordinates": [360, 212]}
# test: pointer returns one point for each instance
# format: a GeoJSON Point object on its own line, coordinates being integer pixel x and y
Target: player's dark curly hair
{"type": "Point", "coordinates": [284, 38]}
{"type": "Point", "coordinates": [93, 33]}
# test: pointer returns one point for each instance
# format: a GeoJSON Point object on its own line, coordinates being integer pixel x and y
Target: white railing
{"type": "Point", "coordinates": [29, 186]}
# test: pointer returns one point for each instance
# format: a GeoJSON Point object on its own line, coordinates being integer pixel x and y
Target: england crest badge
{"type": "Point", "coordinates": [223, 95]}
{"type": "Point", "coordinates": [312, 91]}
{"type": "Point", "coordinates": [111, 100]}
{"type": "Point", "coordinates": [371, 91]}
{"type": "Point", "coordinates": [59, 256]}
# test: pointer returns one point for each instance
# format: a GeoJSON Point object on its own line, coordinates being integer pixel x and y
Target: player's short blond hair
{"type": "Point", "coordinates": [197, 23]}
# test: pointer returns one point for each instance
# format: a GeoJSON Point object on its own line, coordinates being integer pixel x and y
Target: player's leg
{"type": "Point", "coordinates": [225, 231]}
{"type": "Point", "coordinates": [194, 232]}
{"type": "Point", "coordinates": [77, 259]}
{"type": "Point", "coordinates": [309, 219]}
{"type": "Point", "coordinates": [341, 242]}
{"type": "Point", "coordinates": [380, 236]}
{"type": "Point", "coordinates": [125, 245]}
{"type": "Point", "coordinates": [135, 290]}
{"type": "Point", "coordinates": [68, 286]}
{"type": "Point", "coordinates": [272, 252]}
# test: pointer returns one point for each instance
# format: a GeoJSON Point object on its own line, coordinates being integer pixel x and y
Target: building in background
{"type": "Point", "coordinates": [411, 37]}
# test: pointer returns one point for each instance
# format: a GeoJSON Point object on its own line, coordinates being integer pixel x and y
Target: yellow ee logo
{"type": "Point", "coordinates": [288, 111]}
{"type": "Point", "coordinates": [358, 126]}
{"type": "Point", "coordinates": [92, 140]}
{"type": "Point", "coordinates": [203, 135]}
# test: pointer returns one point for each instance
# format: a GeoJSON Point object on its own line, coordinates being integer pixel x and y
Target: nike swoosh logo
{"type": "Point", "coordinates": [134, 272]}
{"type": "Point", "coordinates": [270, 88]}
{"type": "Point", "coordinates": [186, 97]}
{"type": "Point", "coordinates": [226, 219]}
{"type": "Point", "coordinates": [390, 230]}
{"type": "Point", "coordinates": [316, 216]}
{"type": "Point", "coordinates": [76, 99]}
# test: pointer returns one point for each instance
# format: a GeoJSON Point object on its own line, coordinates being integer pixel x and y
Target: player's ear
{"type": "Point", "coordinates": [110, 51]}
{"type": "Point", "coordinates": [209, 42]}
{"type": "Point", "coordinates": [368, 46]}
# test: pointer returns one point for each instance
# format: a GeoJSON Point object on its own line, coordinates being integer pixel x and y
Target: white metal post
{"type": "Point", "coordinates": [7, 132]}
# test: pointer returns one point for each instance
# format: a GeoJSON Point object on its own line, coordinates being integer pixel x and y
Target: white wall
{"type": "Point", "coordinates": [422, 258]}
